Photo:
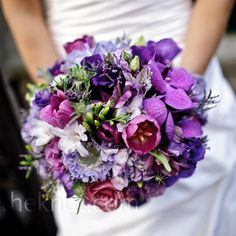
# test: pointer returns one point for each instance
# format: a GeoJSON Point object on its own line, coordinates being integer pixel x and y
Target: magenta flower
{"type": "Point", "coordinates": [58, 112]}
{"type": "Point", "coordinates": [142, 134]}
{"type": "Point", "coordinates": [108, 133]}
{"type": "Point", "coordinates": [79, 44]}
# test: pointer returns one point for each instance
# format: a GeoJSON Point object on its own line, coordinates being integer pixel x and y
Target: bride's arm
{"type": "Point", "coordinates": [207, 25]}
{"type": "Point", "coordinates": [33, 41]}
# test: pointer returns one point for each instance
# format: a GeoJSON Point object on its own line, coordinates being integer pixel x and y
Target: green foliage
{"type": "Point", "coordinates": [79, 189]}
{"type": "Point", "coordinates": [163, 159]}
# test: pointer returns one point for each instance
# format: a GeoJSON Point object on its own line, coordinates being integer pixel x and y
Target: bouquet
{"type": "Point", "coordinates": [115, 122]}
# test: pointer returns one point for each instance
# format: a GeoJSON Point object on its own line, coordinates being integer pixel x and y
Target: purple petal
{"type": "Point", "coordinates": [191, 128]}
{"type": "Point", "coordinates": [178, 99]}
{"type": "Point", "coordinates": [157, 81]}
{"type": "Point", "coordinates": [156, 108]}
{"type": "Point", "coordinates": [170, 126]}
{"type": "Point", "coordinates": [167, 49]}
{"type": "Point", "coordinates": [180, 78]}
{"type": "Point", "coordinates": [123, 99]}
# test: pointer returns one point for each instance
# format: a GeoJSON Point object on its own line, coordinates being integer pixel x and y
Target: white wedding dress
{"type": "Point", "coordinates": [203, 205]}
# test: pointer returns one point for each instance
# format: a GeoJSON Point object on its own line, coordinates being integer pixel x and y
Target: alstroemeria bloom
{"type": "Point", "coordinates": [142, 134]}
{"type": "Point", "coordinates": [58, 112]}
{"type": "Point", "coordinates": [71, 138]}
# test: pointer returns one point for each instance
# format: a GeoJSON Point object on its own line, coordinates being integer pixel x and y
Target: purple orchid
{"type": "Point", "coordinates": [173, 87]}
{"type": "Point", "coordinates": [162, 51]}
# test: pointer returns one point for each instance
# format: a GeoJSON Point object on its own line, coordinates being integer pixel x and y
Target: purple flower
{"type": "Point", "coordinates": [68, 184]}
{"type": "Point", "coordinates": [54, 158]}
{"type": "Point", "coordinates": [142, 134]}
{"type": "Point", "coordinates": [56, 69]}
{"type": "Point", "coordinates": [79, 44]}
{"type": "Point", "coordinates": [162, 51]}
{"type": "Point", "coordinates": [42, 98]}
{"type": "Point", "coordinates": [138, 196]}
{"type": "Point", "coordinates": [108, 80]}
{"type": "Point", "coordinates": [155, 108]}
{"type": "Point", "coordinates": [191, 128]}
{"type": "Point", "coordinates": [140, 168]}
{"type": "Point", "coordinates": [90, 168]}
{"type": "Point", "coordinates": [152, 189]}
{"type": "Point", "coordinates": [92, 61]}
{"type": "Point", "coordinates": [108, 133]}
{"type": "Point", "coordinates": [58, 112]}
{"type": "Point", "coordinates": [173, 87]}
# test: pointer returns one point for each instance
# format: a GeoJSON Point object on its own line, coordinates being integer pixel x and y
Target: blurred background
{"type": "Point", "coordinates": [22, 210]}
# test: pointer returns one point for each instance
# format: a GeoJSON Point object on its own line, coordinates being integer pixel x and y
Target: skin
{"type": "Point", "coordinates": [207, 25]}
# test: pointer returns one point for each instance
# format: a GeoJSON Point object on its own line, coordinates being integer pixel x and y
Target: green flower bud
{"type": "Point", "coordinates": [135, 64]}
{"type": "Point", "coordinates": [98, 107]}
{"type": "Point", "coordinates": [105, 111]}
{"type": "Point", "coordinates": [101, 116]}
{"type": "Point", "coordinates": [126, 56]}
{"type": "Point", "coordinates": [89, 117]}
{"type": "Point", "coordinates": [141, 41]}
{"type": "Point", "coordinates": [111, 122]}
{"type": "Point", "coordinates": [87, 126]}
{"type": "Point", "coordinates": [97, 123]}
{"type": "Point", "coordinates": [140, 184]}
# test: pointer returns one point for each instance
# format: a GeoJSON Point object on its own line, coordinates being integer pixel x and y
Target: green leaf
{"type": "Point", "coordinates": [162, 159]}
{"type": "Point", "coordinates": [79, 189]}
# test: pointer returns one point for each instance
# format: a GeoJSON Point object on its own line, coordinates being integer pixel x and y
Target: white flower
{"type": "Point", "coordinates": [39, 131]}
{"type": "Point", "coordinates": [71, 137]}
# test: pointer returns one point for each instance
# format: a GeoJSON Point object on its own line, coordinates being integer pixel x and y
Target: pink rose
{"type": "Point", "coordinates": [103, 195]}
{"type": "Point", "coordinates": [142, 134]}
{"type": "Point", "coordinates": [58, 112]}
{"type": "Point", "coordinates": [79, 44]}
